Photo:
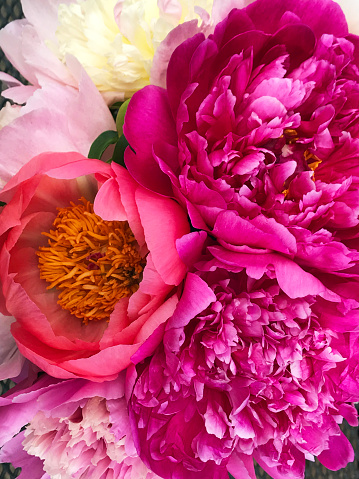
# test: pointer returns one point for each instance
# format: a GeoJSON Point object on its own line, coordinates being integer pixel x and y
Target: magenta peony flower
{"type": "Point", "coordinates": [257, 136]}
{"type": "Point", "coordinates": [255, 363]}
{"type": "Point", "coordinates": [257, 132]}
{"type": "Point", "coordinates": [89, 266]}
{"type": "Point", "coordinates": [76, 429]}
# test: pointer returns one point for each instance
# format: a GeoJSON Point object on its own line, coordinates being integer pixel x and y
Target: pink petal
{"type": "Point", "coordinates": [164, 221]}
{"type": "Point", "coordinates": [338, 454]}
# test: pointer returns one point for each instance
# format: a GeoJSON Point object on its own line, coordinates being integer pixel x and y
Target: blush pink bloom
{"type": "Point", "coordinates": [54, 118]}
{"type": "Point", "coordinates": [259, 360]}
{"type": "Point", "coordinates": [257, 134]}
{"type": "Point", "coordinates": [50, 336]}
{"type": "Point", "coordinates": [74, 429]}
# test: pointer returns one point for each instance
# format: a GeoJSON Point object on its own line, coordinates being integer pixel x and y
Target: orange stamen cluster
{"type": "Point", "coordinates": [312, 160]}
{"type": "Point", "coordinates": [94, 263]}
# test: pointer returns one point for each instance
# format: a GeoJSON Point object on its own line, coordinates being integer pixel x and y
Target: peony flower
{"type": "Point", "coordinates": [89, 264]}
{"type": "Point", "coordinates": [115, 41]}
{"type": "Point", "coordinates": [252, 365]}
{"type": "Point", "coordinates": [256, 135]}
{"type": "Point", "coordinates": [54, 118]}
{"type": "Point", "coordinates": [74, 429]}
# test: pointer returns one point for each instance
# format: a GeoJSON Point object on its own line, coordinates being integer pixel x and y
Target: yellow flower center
{"type": "Point", "coordinates": [94, 263]}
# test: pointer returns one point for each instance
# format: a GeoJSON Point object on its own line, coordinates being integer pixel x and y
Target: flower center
{"type": "Point", "coordinates": [94, 263]}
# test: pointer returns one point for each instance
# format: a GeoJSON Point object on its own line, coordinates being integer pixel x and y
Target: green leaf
{"type": "Point", "coordinates": [120, 120]}
{"type": "Point", "coordinates": [230, 476]}
{"type": "Point", "coordinates": [2, 203]}
{"type": "Point", "coordinates": [119, 151]}
{"type": "Point", "coordinates": [102, 142]}
{"type": "Point", "coordinates": [116, 106]}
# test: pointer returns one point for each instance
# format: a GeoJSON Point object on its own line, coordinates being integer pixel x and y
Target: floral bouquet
{"type": "Point", "coordinates": [179, 235]}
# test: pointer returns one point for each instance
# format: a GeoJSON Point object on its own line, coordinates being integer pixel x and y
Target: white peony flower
{"type": "Point", "coordinates": [116, 41]}
{"type": "Point", "coordinates": [351, 11]}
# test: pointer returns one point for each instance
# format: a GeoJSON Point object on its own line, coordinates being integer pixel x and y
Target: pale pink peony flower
{"type": "Point", "coordinates": [77, 430]}
{"type": "Point", "coordinates": [54, 118]}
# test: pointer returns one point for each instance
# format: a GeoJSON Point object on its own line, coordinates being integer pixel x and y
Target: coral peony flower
{"type": "Point", "coordinates": [54, 118]}
{"type": "Point", "coordinates": [87, 274]}
{"type": "Point", "coordinates": [74, 429]}
{"type": "Point", "coordinates": [256, 133]}
{"type": "Point", "coordinates": [252, 365]}
{"type": "Point", "coordinates": [115, 41]}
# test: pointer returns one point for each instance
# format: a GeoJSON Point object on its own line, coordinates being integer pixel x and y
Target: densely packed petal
{"type": "Point", "coordinates": [256, 134]}
{"type": "Point", "coordinates": [249, 366]}
{"type": "Point", "coordinates": [74, 429]}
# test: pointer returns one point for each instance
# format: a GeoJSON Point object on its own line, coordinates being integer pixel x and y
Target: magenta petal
{"type": "Point", "coordinates": [294, 470]}
{"type": "Point", "coordinates": [166, 48]}
{"type": "Point", "coordinates": [195, 298]}
{"type": "Point", "coordinates": [329, 17]}
{"type": "Point", "coordinates": [190, 246]}
{"type": "Point", "coordinates": [338, 454]}
{"type": "Point", "coordinates": [293, 280]}
{"type": "Point", "coordinates": [241, 466]}
{"type": "Point", "coordinates": [260, 232]}
{"type": "Point", "coordinates": [180, 62]}
{"type": "Point", "coordinates": [149, 113]}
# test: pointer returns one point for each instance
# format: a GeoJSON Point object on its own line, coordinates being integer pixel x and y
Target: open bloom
{"type": "Point", "coordinates": [55, 118]}
{"type": "Point", "coordinates": [115, 41]}
{"type": "Point", "coordinates": [89, 264]}
{"type": "Point", "coordinates": [52, 118]}
{"type": "Point", "coordinates": [256, 134]}
{"type": "Point", "coordinates": [74, 429]}
{"type": "Point", "coordinates": [252, 364]}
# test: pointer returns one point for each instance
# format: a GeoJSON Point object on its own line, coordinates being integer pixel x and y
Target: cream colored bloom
{"type": "Point", "coordinates": [115, 41]}
{"type": "Point", "coordinates": [351, 11]}
{"type": "Point", "coordinates": [8, 113]}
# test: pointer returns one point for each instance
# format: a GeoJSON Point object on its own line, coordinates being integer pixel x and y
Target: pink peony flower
{"type": "Point", "coordinates": [54, 118]}
{"type": "Point", "coordinates": [257, 361]}
{"type": "Point", "coordinates": [256, 134]}
{"type": "Point", "coordinates": [87, 292]}
{"type": "Point", "coordinates": [74, 429]}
